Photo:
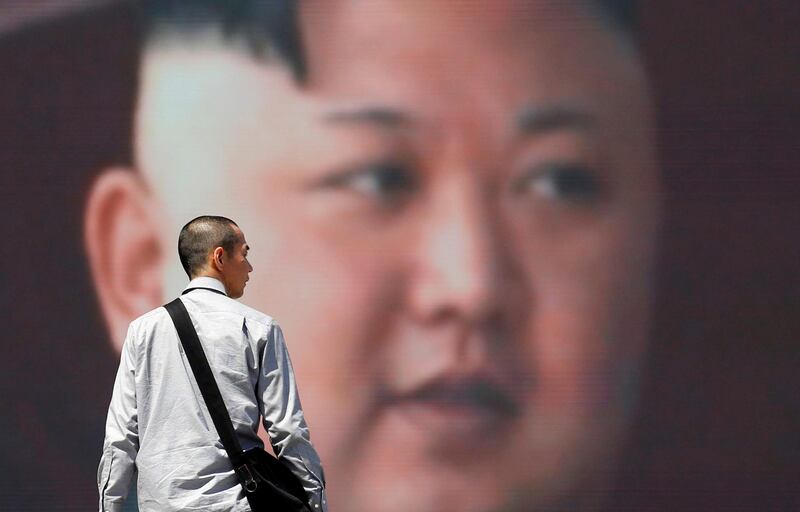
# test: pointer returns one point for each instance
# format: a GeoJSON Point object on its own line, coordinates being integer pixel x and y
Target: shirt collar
{"type": "Point", "coordinates": [206, 282]}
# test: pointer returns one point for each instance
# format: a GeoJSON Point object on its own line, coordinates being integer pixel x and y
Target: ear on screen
{"type": "Point", "coordinates": [124, 248]}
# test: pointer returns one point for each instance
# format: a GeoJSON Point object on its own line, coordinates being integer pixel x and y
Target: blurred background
{"type": "Point", "coordinates": [718, 427]}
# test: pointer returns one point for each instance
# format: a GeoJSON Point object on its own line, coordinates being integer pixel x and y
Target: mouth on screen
{"type": "Point", "coordinates": [458, 406]}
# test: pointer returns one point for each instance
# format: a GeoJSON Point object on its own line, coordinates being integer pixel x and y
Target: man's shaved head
{"type": "Point", "coordinates": [200, 236]}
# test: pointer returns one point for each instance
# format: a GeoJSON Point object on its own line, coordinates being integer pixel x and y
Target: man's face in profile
{"type": "Point", "coordinates": [453, 220]}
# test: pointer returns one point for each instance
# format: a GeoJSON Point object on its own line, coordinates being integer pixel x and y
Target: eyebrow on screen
{"type": "Point", "coordinates": [369, 114]}
{"type": "Point", "coordinates": [531, 119]}
{"type": "Point", "coordinates": [534, 119]}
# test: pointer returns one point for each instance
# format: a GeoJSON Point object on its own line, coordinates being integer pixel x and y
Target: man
{"type": "Point", "coordinates": [158, 422]}
{"type": "Point", "coordinates": [456, 206]}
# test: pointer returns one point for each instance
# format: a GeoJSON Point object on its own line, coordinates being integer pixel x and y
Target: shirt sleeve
{"type": "Point", "coordinates": [121, 443]}
{"type": "Point", "coordinates": [284, 421]}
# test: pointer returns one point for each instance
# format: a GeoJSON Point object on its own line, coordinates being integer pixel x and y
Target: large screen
{"type": "Point", "coordinates": [526, 255]}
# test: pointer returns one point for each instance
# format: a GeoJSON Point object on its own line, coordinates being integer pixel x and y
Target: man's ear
{"type": "Point", "coordinates": [217, 262]}
{"type": "Point", "coordinates": [123, 243]}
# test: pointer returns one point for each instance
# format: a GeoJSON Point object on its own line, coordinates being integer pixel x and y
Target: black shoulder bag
{"type": "Point", "coordinates": [268, 484]}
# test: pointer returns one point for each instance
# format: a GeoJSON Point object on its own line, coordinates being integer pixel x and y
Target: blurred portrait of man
{"type": "Point", "coordinates": [528, 255]}
{"type": "Point", "coordinates": [453, 210]}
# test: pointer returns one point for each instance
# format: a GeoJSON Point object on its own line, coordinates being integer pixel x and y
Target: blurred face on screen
{"type": "Point", "coordinates": [453, 219]}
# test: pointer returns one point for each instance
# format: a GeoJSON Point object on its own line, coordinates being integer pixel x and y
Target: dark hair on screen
{"type": "Point", "coordinates": [202, 235]}
{"type": "Point", "coordinates": [271, 28]}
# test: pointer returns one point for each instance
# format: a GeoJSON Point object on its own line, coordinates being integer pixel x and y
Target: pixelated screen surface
{"type": "Point", "coordinates": [527, 255]}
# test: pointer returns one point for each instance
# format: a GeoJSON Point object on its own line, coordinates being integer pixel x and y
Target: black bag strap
{"type": "Point", "coordinates": [205, 380]}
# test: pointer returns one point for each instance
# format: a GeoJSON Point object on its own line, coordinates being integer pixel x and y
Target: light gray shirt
{"type": "Point", "coordinates": [159, 424]}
